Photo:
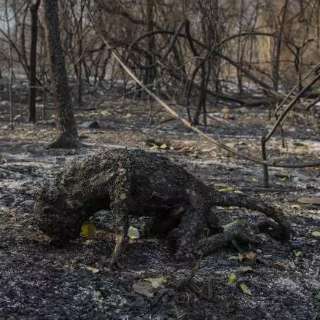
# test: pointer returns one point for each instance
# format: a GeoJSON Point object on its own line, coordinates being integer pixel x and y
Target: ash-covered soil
{"type": "Point", "coordinates": [271, 281]}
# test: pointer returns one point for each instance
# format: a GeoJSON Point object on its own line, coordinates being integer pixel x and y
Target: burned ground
{"type": "Point", "coordinates": [39, 281]}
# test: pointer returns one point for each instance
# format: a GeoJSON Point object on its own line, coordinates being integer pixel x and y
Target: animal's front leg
{"type": "Point", "coordinates": [120, 205]}
{"type": "Point", "coordinates": [121, 212]}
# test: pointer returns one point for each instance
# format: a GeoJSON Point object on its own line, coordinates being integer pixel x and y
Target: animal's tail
{"type": "Point", "coordinates": [228, 199]}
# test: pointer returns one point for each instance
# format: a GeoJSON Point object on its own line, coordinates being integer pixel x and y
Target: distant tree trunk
{"type": "Point", "coordinates": [150, 73]}
{"type": "Point", "coordinates": [278, 45]}
{"type": "Point", "coordinates": [80, 52]}
{"type": "Point", "coordinates": [11, 74]}
{"type": "Point", "coordinates": [240, 46]}
{"type": "Point", "coordinates": [68, 137]}
{"type": "Point", "coordinates": [33, 61]}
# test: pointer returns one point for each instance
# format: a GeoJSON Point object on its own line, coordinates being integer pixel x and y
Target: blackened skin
{"type": "Point", "coordinates": [138, 183]}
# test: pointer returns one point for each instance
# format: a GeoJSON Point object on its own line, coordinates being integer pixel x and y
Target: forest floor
{"type": "Point", "coordinates": [273, 281]}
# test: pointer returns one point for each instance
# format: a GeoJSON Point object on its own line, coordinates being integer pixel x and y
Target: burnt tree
{"type": "Point", "coordinates": [68, 135]}
{"type": "Point", "coordinates": [33, 60]}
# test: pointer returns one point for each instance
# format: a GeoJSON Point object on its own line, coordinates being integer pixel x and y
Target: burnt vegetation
{"type": "Point", "coordinates": [159, 159]}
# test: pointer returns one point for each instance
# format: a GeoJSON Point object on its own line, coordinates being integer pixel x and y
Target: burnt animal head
{"type": "Point", "coordinates": [56, 216]}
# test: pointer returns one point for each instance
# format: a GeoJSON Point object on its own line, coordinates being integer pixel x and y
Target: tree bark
{"type": "Point", "coordinates": [150, 73]}
{"type": "Point", "coordinates": [33, 61]}
{"type": "Point", "coordinates": [278, 45]}
{"type": "Point", "coordinates": [68, 135]}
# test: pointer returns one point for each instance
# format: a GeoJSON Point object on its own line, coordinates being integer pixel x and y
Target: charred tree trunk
{"type": "Point", "coordinates": [80, 52]}
{"type": "Point", "coordinates": [278, 45]}
{"type": "Point", "coordinates": [150, 73]}
{"type": "Point", "coordinates": [33, 61]}
{"type": "Point", "coordinates": [68, 136]}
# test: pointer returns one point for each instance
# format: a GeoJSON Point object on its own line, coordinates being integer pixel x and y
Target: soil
{"type": "Point", "coordinates": [272, 281]}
